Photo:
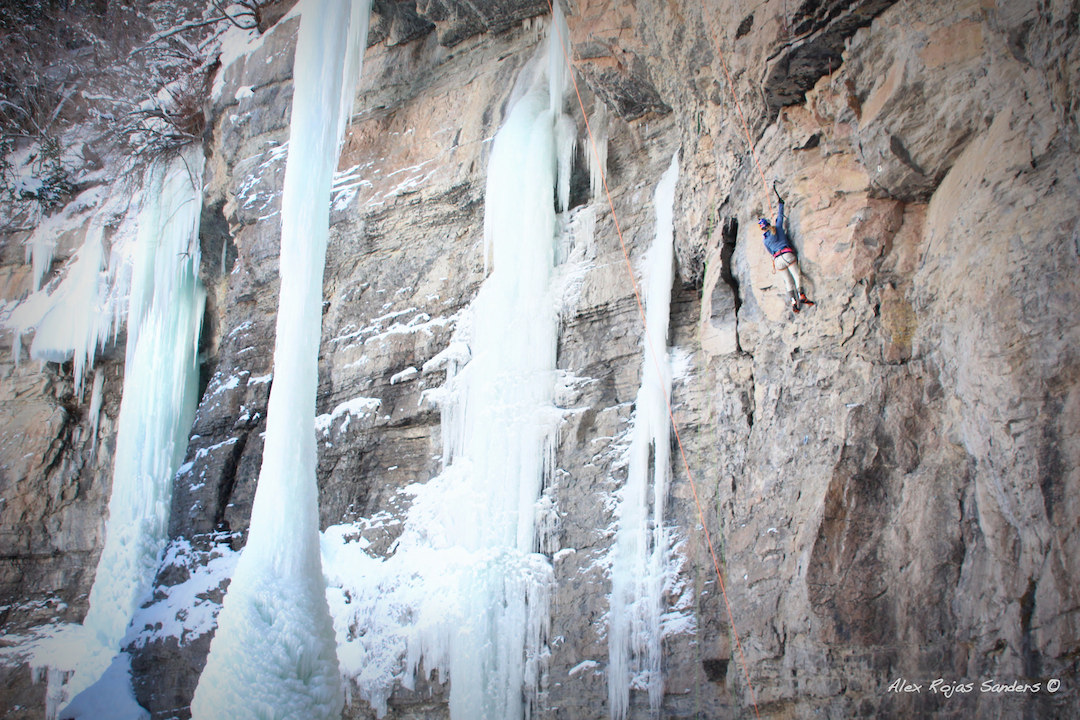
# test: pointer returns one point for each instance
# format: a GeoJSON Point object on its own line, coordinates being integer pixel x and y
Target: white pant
{"type": "Point", "coordinates": [787, 264]}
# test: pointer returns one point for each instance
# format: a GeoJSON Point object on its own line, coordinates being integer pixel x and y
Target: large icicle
{"type": "Point", "coordinates": [160, 384]}
{"type": "Point", "coordinates": [641, 557]}
{"type": "Point", "coordinates": [274, 652]}
{"type": "Point", "coordinates": [500, 421]}
{"type": "Point", "coordinates": [75, 324]}
{"type": "Point", "coordinates": [599, 151]}
{"type": "Point", "coordinates": [73, 317]}
{"type": "Point", "coordinates": [466, 591]}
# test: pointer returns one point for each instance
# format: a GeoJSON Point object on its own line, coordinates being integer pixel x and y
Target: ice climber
{"type": "Point", "coordinates": [783, 255]}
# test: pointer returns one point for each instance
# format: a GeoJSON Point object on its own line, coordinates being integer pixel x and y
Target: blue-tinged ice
{"type": "Point", "coordinates": [110, 697]}
{"type": "Point", "coordinates": [158, 403]}
{"type": "Point", "coordinates": [466, 592]}
{"type": "Point", "coordinates": [274, 653]}
{"type": "Point", "coordinates": [641, 563]}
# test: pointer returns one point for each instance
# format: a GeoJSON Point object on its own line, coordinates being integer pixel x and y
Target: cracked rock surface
{"type": "Point", "coordinates": [891, 478]}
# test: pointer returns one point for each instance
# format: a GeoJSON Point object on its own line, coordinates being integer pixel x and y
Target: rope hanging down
{"type": "Point", "coordinates": [742, 117]}
{"type": "Point", "coordinates": [652, 353]}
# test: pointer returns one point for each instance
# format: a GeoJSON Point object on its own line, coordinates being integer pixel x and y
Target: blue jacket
{"type": "Point", "coordinates": [776, 239]}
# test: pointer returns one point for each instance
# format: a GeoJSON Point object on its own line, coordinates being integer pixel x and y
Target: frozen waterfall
{"type": "Point", "coordinates": [466, 592]}
{"type": "Point", "coordinates": [161, 377]}
{"type": "Point", "coordinates": [641, 567]}
{"type": "Point", "coordinates": [274, 652]}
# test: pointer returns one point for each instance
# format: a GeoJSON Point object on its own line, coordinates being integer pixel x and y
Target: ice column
{"type": "Point", "coordinates": [641, 555]}
{"type": "Point", "coordinates": [500, 419]}
{"type": "Point", "coordinates": [466, 591]}
{"type": "Point", "coordinates": [161, 378]}
{"type": "Point", "coordinates": [274, 652]}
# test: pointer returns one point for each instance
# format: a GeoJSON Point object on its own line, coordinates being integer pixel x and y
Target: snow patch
{"type": "Point", "coordinates": [358, 407]}
{"type": "Point", "coordinates": [407, 374]}
{"type": "Point", "coordinates": [582, 667]}
{"type": "Point", "coordinates": [185, 611]}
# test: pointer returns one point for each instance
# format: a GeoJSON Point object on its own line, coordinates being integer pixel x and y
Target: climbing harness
{"type": "Point", "coordinates": [777, 254]}
{"type": "Point", "coordinates": [652, 353]}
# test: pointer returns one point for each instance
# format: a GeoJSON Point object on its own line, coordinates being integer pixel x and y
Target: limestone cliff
{"type": "Point", "coordinates": [890, 477]}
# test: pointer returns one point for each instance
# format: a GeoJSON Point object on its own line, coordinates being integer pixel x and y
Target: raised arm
{"type": "Point", "coordinates": [780, 212]}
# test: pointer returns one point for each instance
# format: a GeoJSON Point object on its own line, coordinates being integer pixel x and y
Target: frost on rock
{"type": "Point", "coordinates": [274, 653]}
{"type": "Point", "coordinates": [466, 591]}
{"type": "Point", "coordinates": [642, 570]}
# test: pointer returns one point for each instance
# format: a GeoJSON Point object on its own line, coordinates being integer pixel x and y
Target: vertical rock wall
{"type": "Point", "coordinates": [889, 478]}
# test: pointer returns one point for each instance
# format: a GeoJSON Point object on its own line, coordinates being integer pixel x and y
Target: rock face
{"type": "Point", "coordinates": [889, 479]}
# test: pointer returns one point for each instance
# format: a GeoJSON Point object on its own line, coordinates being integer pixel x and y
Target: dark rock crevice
{"type": "Point", "coordinates": [845, 580]}
{"type": "Point", "coordinates": [729, 234]}
{"type": "Point", "coordinates": [458, 20]}
{"type": "Point", "coordinates": [1050, 462]}
{"type": "Point", "coordinates": [1029, 653]}
{"type": "Point", "coordinates": [821, 30]}
{"type": "Point", "coordinates": [229, 471]}
{"type": "Point", "coordinates": [61, 444]}
{"type": "Point", "coordinates": [397, 23]}
{"type": "Point", "coordinates": [628, 92]}
{"type": "Point", "coordinates": [745, 26]}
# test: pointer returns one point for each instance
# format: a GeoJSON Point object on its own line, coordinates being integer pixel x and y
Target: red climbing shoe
{"type": "Point", "coordinates": [794, 305]}
{"type": "Point", "coordinates": [804, 300]}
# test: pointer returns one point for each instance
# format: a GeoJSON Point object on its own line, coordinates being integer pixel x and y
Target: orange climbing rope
{"type": "Point", "coordinates": [746, 128]}
{"type": "Point", "coordinates": [652, 353]}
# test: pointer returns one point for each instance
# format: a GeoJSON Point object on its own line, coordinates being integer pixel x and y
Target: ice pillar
{"type": "Point", "coordinates": [274, 653]}
{"type": "Point", "coordinates": [641, 562]}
